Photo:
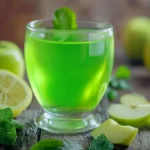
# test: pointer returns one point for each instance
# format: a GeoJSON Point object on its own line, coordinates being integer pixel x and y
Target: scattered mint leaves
{"type": "Point", "coordinates": [48, 144]}
{"type": "Point", "coordinates": [101, 143]}
{"type": "Point", "coordinates": [112, 95]}
{"type": "Point", "coordinates": [7, 133]}
{"type": "Point", "coordinates": [8, 127]}
{"type": "Point", "coordinates": [119, 82]}
{"type": "Point", "coordinates": [123, 72]}
{"type": "Point", "coordinates": [5, 115]}
{"type": "Point", "coordinates": [64, 18]}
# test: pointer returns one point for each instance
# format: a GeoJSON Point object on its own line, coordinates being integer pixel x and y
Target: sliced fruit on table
{"type": "Point", "coordinates": [133, 99]}
{"type": "Point", "coordinates": [14, 92]}
{"type": "Point", "coordinates": [116, 133]}
{"type": "Point", "coordinates": [136, 116]}
{"type": "Point", "coordinates": [11, 58]}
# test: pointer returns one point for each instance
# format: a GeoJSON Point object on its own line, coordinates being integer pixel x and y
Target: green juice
{"type": "Point", "coordinates": [68, 76]}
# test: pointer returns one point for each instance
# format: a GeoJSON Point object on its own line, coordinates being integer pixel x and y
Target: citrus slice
{"type": "Point", "coordinates": [14, 92]}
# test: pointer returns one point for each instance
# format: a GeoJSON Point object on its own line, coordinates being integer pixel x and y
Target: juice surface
{"type": "Point", "coordinates": [68, 76]}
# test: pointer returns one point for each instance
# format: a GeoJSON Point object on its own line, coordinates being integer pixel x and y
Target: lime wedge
{"type": "Point", "coordinates": [14, 92]}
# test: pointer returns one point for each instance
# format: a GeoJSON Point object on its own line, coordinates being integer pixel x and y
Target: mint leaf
{"type": "Point", "coordinates": [7, 134]}
{"type": "Point", "coordinates": [64, 18]}
{"type": "Point", "coordinates": [112, 95]}
{"type": "Point", "coordinates": [17, 124]}
{"type": "Point", "coordinates": [48, 144]}
{"type": "Point", "coordinates": [5, 115]}
{"type": "Point", "coordinates": [123, 72]}
{"type": "Point", "coordinates": [101, 143]}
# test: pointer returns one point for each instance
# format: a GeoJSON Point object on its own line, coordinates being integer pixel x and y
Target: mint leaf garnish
{"type": "Point", "coordinates": [123, 72]}
{"type": "Point", "coordinates": [112, 95]}
{"type": "Point", "coordinates": [101, 143]}
{"type": "Point", "coordinates": [64, 18]}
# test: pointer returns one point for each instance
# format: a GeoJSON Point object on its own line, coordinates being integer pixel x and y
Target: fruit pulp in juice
{"type": "Point", "coordinates": [68, 76]}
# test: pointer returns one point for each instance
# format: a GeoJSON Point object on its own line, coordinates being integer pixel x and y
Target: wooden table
{"type": "Point", "coordinates": [30, 134]}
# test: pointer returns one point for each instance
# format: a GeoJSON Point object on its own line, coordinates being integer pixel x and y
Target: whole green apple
{"type": "Point", "coordinates": [135, 37]}
{"type": "Point", "coordinates": [11, 58]}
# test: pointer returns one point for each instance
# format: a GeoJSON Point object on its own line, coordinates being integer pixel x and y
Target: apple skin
{"type": "Point", "coordinates": [138, 122]}
{"type": "Point", "coordinates": [11, 58]}
{"type": "Point", "coordinates": [136, 34]}
{"type": "Point", "coordinates": [116, 133]}
{"type": "Point", "coordinates": [147, 56]}
{"type": "Point", "coordinates": [142, 112]}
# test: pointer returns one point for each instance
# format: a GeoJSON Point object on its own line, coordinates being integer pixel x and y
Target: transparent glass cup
{"type": "Point", "coordinates": [69, 71]}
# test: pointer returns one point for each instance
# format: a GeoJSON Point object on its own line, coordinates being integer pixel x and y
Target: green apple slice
{"type": "Point", "coordinates": [136, 116]}
{"type": "Point", "coordinates": [133, 99]}
{"type": "Point", "coordinates": [116, 133]}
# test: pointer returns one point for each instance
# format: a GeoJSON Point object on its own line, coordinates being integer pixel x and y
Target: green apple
{"type": "Point", "coordinates": [11, 58]}
{"type": "Point", "coordinates": [135, 37]}
{"type": "Point", "coordinates": [136, 116]}
{"type": "Point", "coordinates": [116, 133]}
{"type": "Point", "coordinates": [133, 99]}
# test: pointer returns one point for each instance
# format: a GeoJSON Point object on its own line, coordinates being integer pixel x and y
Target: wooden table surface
{"type": "Point", "coordinates": [30, 134]}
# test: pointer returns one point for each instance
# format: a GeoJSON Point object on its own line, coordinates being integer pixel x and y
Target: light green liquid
{"type": "Point", "coordinates": [69, 76]}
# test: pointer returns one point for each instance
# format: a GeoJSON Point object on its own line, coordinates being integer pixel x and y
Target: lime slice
{"type": "Point", "coordinates": [64, 18]}
{"type": "Point", "coordinates": [14, 92]}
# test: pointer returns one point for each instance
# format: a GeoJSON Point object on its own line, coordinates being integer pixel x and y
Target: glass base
{"type": "Point", "coordinates": [68, 124]}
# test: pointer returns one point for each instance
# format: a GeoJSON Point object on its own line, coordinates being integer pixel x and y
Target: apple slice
{"type": "Point", "coordinates": [116, 133]}
{"type": "Point", "coordinates": [133, 99]}
{"type": "Point", "coordinates": [136, 116]}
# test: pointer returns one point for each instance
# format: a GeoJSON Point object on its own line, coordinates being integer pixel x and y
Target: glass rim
{"type": "Point", "coordinates": [102, 26]}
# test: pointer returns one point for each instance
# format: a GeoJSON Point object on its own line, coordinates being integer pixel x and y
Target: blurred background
{"type": "Point", "coordinates": [14, 15]}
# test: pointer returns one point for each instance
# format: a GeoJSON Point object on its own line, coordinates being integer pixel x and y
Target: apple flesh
{"type": "Point", "coordinates": [133, 99]}
{"type": "Point", "coordinates": [116, 133]}
{"type": "Point", "coordinates": [136, 116]}
{"type": "Point", "coordinates": [11, 58]}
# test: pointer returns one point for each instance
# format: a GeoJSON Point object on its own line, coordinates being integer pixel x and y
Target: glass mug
{"type": "Point", "coordinates": [69, 71]}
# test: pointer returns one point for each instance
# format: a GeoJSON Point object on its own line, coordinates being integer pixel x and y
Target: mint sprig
{"type": "Point", "coordinates": [120, 81]}
{"type": "Point", "coordinates": [7, 133]}
{"type": "Point", "coordinates": [101, 143]}
{"type": "Point", "coordinates": [5, 115]}
{"type": "Point", "coordinates": [64, 18]}
{"type": "Point", "coordinates": [8, 127]}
